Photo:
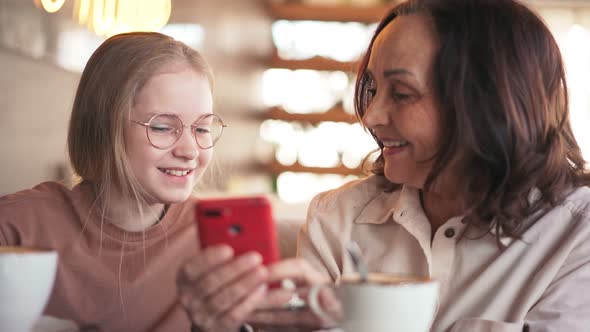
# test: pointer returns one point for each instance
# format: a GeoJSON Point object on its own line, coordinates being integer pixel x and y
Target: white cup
{"type": "Point", "coordinates": [385, 303]}
{"type": "Point", "coordinates": [26, 280]}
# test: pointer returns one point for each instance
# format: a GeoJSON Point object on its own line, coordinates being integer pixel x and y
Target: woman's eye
{"type": "Point", "coordinates": [369, 95]}
{"type": "Point", "coordinates": [401, 97]}
{"type": "Point", "coordinates": [370, 89]}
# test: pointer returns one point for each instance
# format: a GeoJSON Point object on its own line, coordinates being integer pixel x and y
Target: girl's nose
{"type": "Point", "coordinates": [187, 146]}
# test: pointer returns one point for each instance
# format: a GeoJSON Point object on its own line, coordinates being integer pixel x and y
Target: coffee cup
{"type": "Point", "coordinates": [383, 303]}
{"type": "Point", "coordinates": [26, 280]}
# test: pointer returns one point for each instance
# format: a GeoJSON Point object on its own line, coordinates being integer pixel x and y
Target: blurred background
{"type": "Point", "coordinates": [284, 72]}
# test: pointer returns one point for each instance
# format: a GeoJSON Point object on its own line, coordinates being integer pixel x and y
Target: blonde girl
{"type": "Point", "coordinates": [140, 137]}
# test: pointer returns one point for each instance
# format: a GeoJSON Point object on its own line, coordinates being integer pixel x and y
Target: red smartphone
{"type": "Point", "coordinates": [244, 223]}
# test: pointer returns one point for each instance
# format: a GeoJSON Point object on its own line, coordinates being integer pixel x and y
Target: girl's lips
{"type": "Point", "coordinates": [176, 175]}
{"type": "Point", "coordinates": [175, 180]}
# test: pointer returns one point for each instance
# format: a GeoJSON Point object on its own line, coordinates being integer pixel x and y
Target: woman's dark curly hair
{"type": "Point", "coordinates": [500, 81]}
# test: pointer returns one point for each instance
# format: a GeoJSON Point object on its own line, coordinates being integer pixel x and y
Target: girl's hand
{"type": "Point", "coordinates": [219, 291]}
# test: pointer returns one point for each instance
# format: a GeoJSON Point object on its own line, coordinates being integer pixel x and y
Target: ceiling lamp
{"type": "Point", "coordinates": [109, 17]}
{"type": "Point", "coordinates": [51, 6]}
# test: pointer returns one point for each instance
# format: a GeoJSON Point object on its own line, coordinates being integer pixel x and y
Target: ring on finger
{"type": "Point", "coordinates": [295, 303]}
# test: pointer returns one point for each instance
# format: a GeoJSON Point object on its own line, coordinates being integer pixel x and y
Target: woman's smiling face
{"type": "Point", "coordinates": [403, 112]}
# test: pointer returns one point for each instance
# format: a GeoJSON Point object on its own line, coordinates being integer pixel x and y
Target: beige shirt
{"type": "Point", "coordinates": [542, 279]}
{"type": "Point", "coordinates": [118, 280]}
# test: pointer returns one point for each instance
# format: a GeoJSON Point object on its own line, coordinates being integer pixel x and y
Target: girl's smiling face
{"type": "Point", "coordinates": [169, 175]}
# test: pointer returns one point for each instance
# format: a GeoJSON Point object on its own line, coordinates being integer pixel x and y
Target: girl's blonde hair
{"type": "Point", "coordinates": [113, 76]}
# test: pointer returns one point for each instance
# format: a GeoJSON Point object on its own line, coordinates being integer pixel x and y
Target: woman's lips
{"type": "Point", "coordinates": [390, 151]}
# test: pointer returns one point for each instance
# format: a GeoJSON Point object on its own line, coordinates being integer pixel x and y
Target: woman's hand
{"type": "Point", "coordinates": [272, 314]}
{"type": "Point", "coordinates": [219, 291]}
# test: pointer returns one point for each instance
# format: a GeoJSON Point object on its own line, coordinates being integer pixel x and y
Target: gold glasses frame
{"type": "Point", "coordinates": [178, 131]}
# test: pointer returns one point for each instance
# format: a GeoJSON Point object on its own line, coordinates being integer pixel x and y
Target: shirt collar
{"type": "Point", "coordinates": [403, 205]}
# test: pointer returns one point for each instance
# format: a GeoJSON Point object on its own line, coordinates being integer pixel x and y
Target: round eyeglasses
{"type": "Point", "coordinates": [164, 130]}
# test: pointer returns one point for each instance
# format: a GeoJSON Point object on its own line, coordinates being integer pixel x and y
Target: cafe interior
{"type": "Point", "coordinates": [284, 75]}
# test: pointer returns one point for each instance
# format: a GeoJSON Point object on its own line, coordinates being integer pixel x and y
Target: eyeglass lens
{"type": "Point", "coordinates": [165, 129]}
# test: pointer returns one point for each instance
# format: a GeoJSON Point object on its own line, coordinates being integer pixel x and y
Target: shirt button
{"type": "Point", "coordinates": [450, 232]}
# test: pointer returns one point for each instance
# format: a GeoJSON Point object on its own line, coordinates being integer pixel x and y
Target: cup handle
{"type": "Point", "coordinates": [313, 300]}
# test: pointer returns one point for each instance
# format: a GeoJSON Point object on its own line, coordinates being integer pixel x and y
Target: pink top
{"type": "Point", "coordinates": [118, 280]}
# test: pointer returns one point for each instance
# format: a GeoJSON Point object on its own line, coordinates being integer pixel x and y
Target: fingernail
{"type": "Point", "coordinates": [262, 288]}
{"type": "Point", "coordinates": [262, 271]}
{"type": "Point", "coordinates": [226, 251]}
{"type": "Point", "coordinates": [254, 258]}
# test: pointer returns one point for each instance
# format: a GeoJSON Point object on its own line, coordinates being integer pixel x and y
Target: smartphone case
{"type": "Point", "coordinates": [244, 223]}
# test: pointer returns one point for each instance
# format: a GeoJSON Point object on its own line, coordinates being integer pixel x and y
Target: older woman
{"type": "Point", "coordinates": [479, 182]}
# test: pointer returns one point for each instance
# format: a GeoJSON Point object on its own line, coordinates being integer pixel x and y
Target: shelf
{"type": "Point", "coordinates": [335, 114]}
{"type": "Point", "coordinates": [297, 11]}
{"type": "Point", "coordinates": [334, 13]}
{"type": "Point", "coordinates": [315, 63]}
{"type": "Point", "coordinates": [276, 168]}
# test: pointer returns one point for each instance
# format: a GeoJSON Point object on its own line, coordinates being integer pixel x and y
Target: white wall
{"type": "Point", "coordinates": [35, 103]}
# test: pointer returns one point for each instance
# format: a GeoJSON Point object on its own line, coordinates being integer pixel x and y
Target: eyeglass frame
{"type": "Point", "coordinates": [182, 126]}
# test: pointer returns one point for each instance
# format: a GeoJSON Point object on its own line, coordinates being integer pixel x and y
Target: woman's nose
{"type": "Point", "coordinates": [376, 114]}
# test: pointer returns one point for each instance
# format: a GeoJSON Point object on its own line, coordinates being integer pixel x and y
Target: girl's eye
{"type": "Point", "coordinates": [202, 130]}
{"type": "Point", "coordinates": [161, 129]}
